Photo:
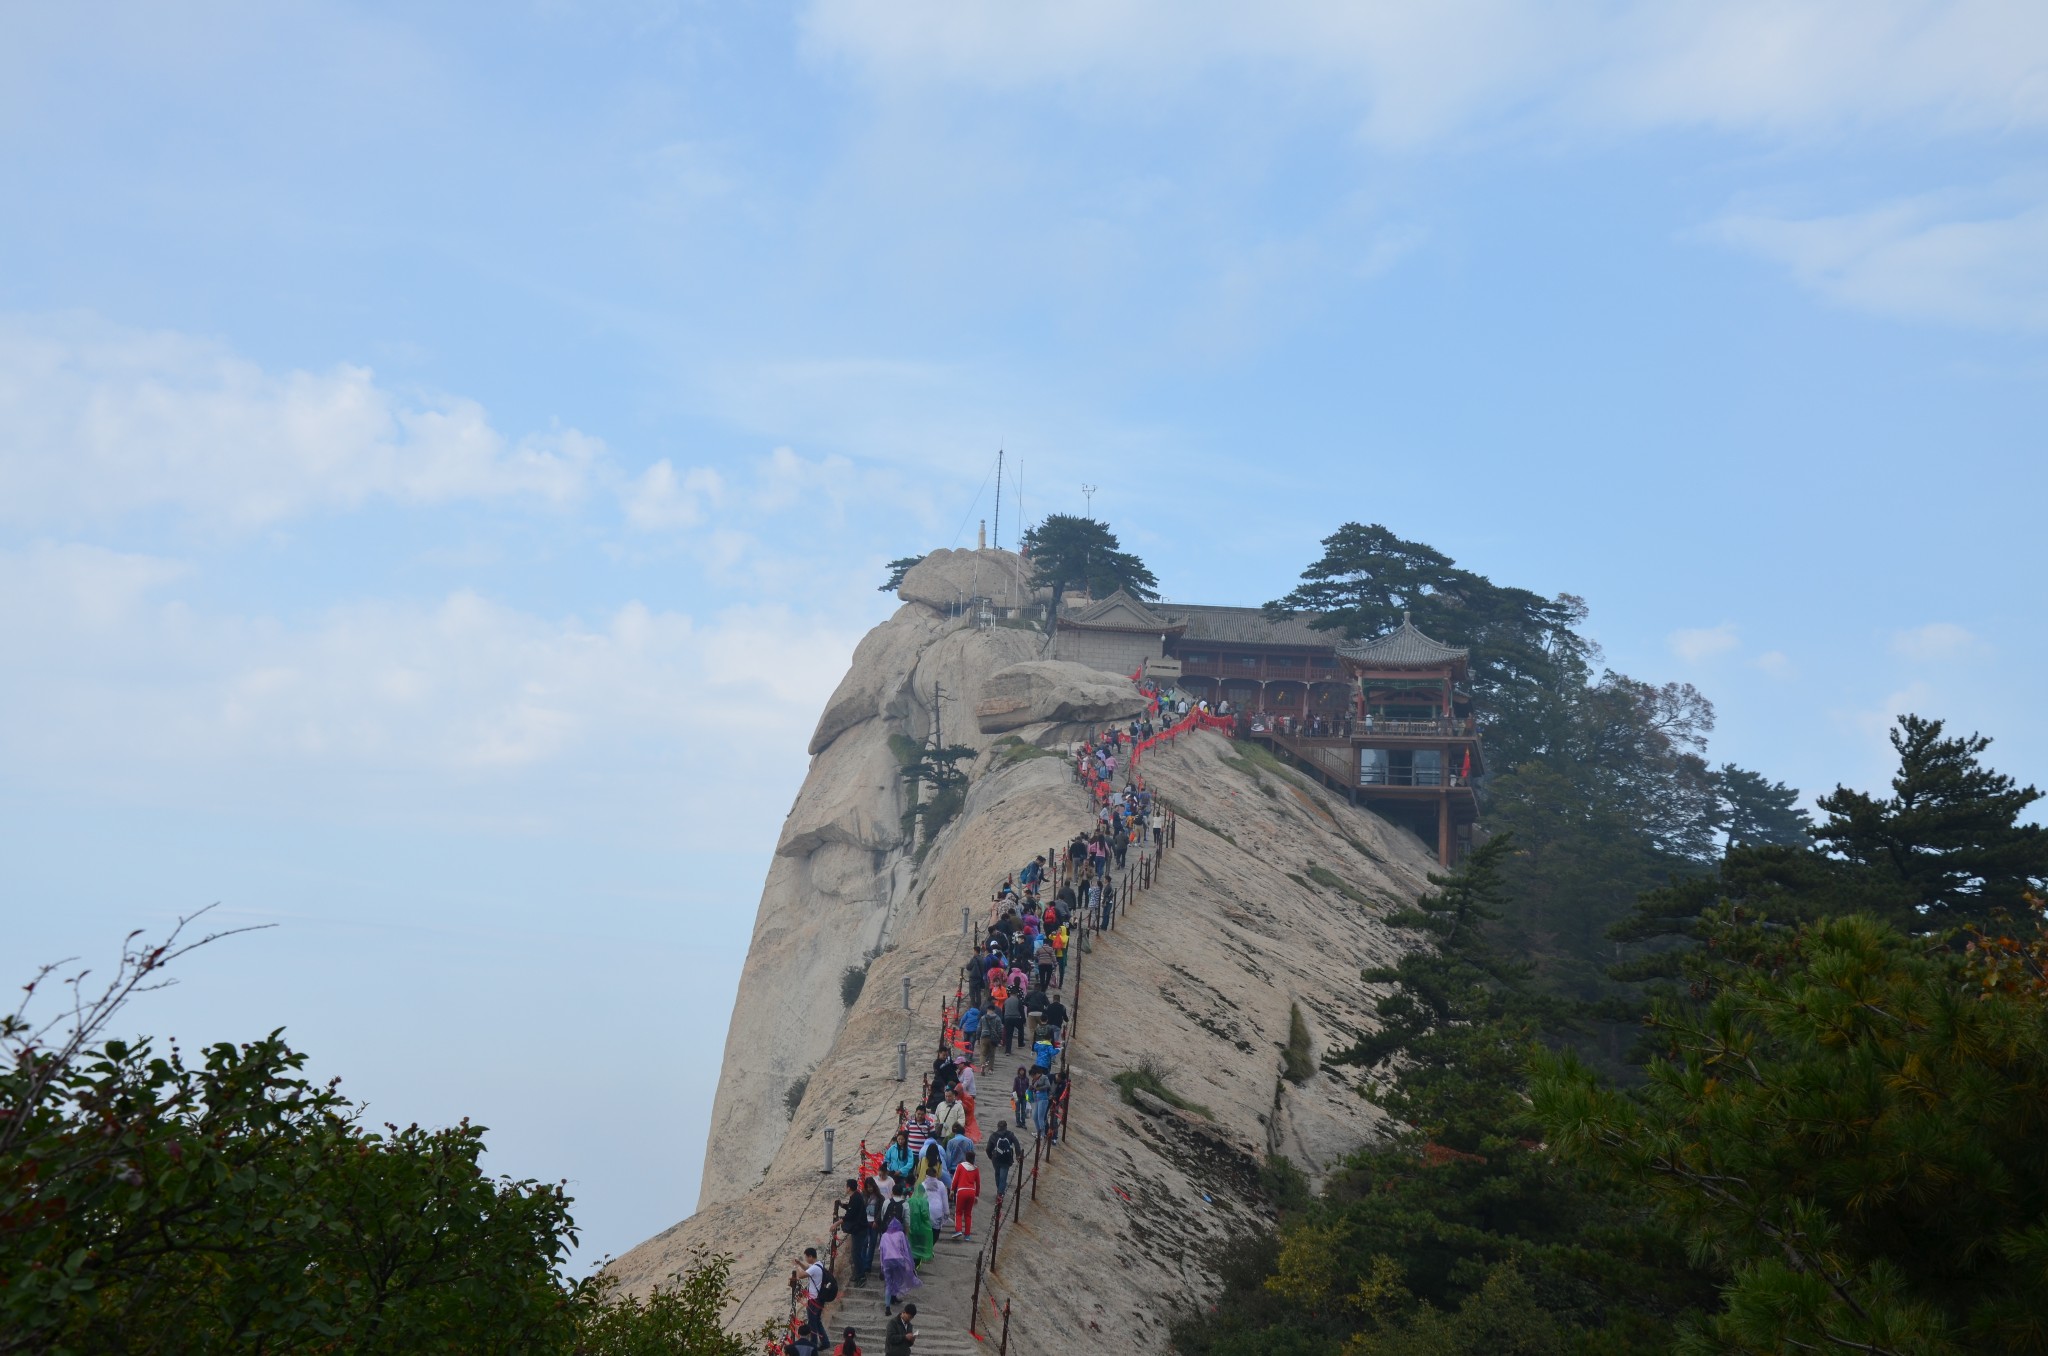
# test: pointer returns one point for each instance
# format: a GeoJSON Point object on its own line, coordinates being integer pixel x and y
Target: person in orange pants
{"type": "Point", "coordinates": [966, 1190]}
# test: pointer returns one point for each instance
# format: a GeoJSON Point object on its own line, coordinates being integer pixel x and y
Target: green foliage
{"type": "Point", "coordinates": [1527, 656]}
{"type": "Point", "coordinates": [1459, 1018]}
{"type": "Point", "coordinates": [1461, 1236]}
{"type": "Point", "coordinates": [938, 768]}
{"type": "Point", "coordinates": [1944, 850]}
{"type": "Point", "coordinates": [681, 1318]}
{"type": "Point", "coordinates": [1011, 750]}
{"type": "Point", "coordinates": [1296, 1063]}
{"type": "Point", "coordinates": [1851, 1125]}
{"type": "Point", "coordinates": [1948, 840]}
{"type": "Point", "coordinates": [793, 1095]}
{"type": "Point", "coordinates": [1284, 1184]}
{"type": "Point", "coordinates": [1758, 812]}
{"type": "Point", "coordinates": [1067, 549]}
{"type": "Point", "coordinates": [151, 1204]}
{"type": "Point", "coordinates": [1330, 880]}
{"type": "Point", "coordinates": [899, 567]}
{"type": "Point", "coordinates": [851, 981]}
{"type": "Point", "coordinates": [1150, 1077]}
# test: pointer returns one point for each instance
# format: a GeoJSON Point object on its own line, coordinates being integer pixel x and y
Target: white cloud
{"type": "Point", "coordinates": [98, 421]}
{"type": "Point", "coordinates": [660, 498]}
{"type": "Point", "coordinates": [138, 687]}
{"type": "Point", "coordinates": [1420, 73]}
{"type": "Point", "coordinates": [1936, 641]}
{"type": "Point", "coordinates": [1934, 257]}
{"type": "Point", "coordinates": [1777, 664]}
{"type": "Point", "coordinates": [1700, 643]}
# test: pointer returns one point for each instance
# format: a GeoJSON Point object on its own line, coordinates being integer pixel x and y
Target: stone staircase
{"type": "Point", "coordinates": [948, 1290]}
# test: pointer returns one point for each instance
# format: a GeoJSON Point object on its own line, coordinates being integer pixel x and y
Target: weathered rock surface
{"type": "Point", "coordinates": [882, 664]}
{"type": "Point", "coordinates": [957, 667]}
{"type": "Point", "coordinates": [842, 868]}
{"type": "Point", "coordinates": [1054, 690]}
{"type": "Point", "coordinates": [947, 579]}
{"type": "Point", "coordinates": [1200, 978]}
{"type": "Point", "coordinates": [851, 796]}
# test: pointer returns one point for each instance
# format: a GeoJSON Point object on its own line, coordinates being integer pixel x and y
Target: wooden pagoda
{"type": "Point", "coordinates": [1414, 745]}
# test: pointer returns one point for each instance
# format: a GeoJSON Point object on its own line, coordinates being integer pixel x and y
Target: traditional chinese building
{"type": "Point", "coordinates": [1217, 654]}
{"type": "Point", "coordinates": [1388, 721]}
{"type": "Point", "coordinates": [1414, 744]}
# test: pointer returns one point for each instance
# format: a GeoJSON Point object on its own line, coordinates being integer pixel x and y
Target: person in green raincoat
{"type": "Point", "coordinates": [921, 1236]}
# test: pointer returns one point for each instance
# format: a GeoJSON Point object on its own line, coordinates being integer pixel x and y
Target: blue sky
{"type": "Point", "coordinates": [446, 452]}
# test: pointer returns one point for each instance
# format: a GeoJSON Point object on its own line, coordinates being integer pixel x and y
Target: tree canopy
{"type": "Point", "coordinates": [1067, 549]}
{"type": "Point", "coordinates": [161, 1205]}
{"type": "Point", "coordinates": [897, 568]}
{"type": "Point", "coordinates": [1527, 655]}
{"type": "Point", "coordinates": [1851, 1125]}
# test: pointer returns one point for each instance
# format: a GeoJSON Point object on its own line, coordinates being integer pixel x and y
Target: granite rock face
{"type": "Point", "coordinates": [945, 580]}
{"type": "Point", "coordinates": [842, 871]}
{"type": "Point", "coordinates": [1054, 690]}
{"type": "Point", "coordinates": [1200, 977]}
{"type": "Point", "coordinates": [875, 682]}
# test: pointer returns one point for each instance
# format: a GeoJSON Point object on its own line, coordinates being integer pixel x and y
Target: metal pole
{"type": "Point", "coordinates": [902, 1061]}
{"type": "Point", "coordinates": [974, 1305]}
{"type": "Point", "coordinates": [997, 1241]}
{"type": "Point", "coordinates": [1003, 1347]}
{"type": "Point", "coordinates": [1037, 1152]}
{"type": "Point", "coordinates": [906, 993]}
{"type": "Point", "coordinates": [830, 1135]}
{"type": "Point", "coordinates": [963, 920]}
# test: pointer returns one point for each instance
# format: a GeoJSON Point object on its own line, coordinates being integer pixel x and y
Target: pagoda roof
{"type": "Point", "coordinates": [1121, 612]}
{"type": "Point", "coordinates": [1403, 648]}
{"type": "Point", "coordinates": [1251, 626]}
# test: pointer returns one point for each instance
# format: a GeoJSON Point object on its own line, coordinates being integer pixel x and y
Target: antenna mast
{"type": "Point", "coordinates": [999, 499]}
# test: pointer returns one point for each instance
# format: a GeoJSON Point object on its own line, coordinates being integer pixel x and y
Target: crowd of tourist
{"type": "Point", "coordinates": [929, 1181]}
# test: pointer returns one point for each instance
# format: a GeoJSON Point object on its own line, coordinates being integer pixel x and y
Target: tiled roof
{"type": "Point", "coordinates": [1119, 611]}
{"type": "Point", "coordinates": [1403, 648]}
{"type": "Point", "coordinates": [1249, 626]}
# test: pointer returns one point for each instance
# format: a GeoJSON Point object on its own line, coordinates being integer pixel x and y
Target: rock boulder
{"type": "Point", "coordinates": [946, 579]}
{"type": "Point", "coordinates": [1053, 690]}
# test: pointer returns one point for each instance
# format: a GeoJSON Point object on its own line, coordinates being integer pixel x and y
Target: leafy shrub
{"type": "Point", "coordinates": [1296, 1066]}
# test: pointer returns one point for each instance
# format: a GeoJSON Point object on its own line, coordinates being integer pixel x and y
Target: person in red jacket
{"type": "Point", "coordinates": [966, 1189]}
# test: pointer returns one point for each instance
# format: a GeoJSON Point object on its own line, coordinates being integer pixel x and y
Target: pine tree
{"type": "Point", "coordinates": [1067, 549]}
{"type": "Point", "coordinates": [1756, 811]}
{"type": "Point", "coordinates": [1948, 839]}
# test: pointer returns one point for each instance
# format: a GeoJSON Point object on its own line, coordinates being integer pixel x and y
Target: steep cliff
{"type": "Point", "coordinates": [1270, 899]}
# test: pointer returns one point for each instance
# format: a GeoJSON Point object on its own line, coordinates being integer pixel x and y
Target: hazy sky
{"type": "Point", "coordinates": [447, 452]}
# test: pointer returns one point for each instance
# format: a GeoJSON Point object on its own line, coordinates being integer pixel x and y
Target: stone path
{"type": "Point", "coordinates": [942, 1301]}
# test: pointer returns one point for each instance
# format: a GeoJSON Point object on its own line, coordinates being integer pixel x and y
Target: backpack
{"type": "Point", "coordinates": [828, 1288]}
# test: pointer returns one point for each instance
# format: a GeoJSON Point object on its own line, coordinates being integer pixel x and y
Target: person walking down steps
{"type": "Point", "coordinates": [966, 1190]}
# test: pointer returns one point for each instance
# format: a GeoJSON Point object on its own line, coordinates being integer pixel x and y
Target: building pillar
{"type": "Point", "coordinates": [1443, 828]}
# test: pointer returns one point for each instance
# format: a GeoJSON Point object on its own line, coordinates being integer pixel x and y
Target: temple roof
{"type": "Point", "coordinates": [1120, 612]}
{"type": "Point", "coordinates": [1250, 626]}
{"type": "Point", "coordinates": [1403, 648]}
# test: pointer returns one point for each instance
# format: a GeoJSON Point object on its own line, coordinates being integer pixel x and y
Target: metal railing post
{"type": "Point", "coordinates": [1003, 1347]}
{"type": "Point", "coordinates": [974, 1305]}
{"type": "Point", "coordinates": [997, 1241]}
{"type": "Point", "coordinates": [1037, 1152]}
